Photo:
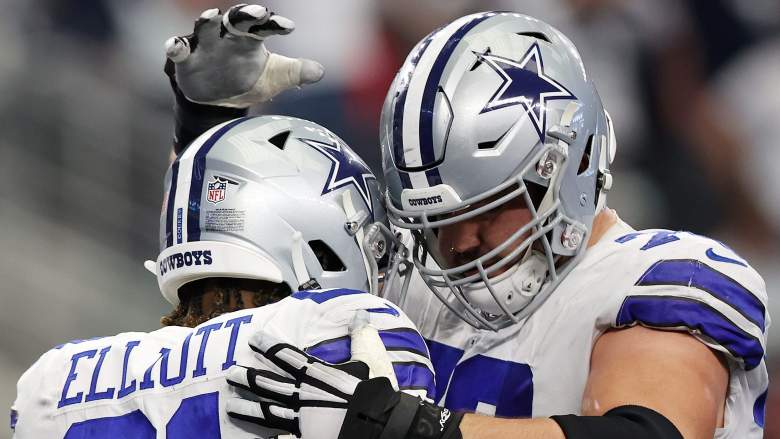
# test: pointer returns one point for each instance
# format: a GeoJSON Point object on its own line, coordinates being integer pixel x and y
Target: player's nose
{"type": "Point", "coordinates": [464, 239]}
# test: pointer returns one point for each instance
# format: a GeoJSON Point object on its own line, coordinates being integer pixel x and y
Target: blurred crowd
{"type": "Point", "coordinates": [692, 86]}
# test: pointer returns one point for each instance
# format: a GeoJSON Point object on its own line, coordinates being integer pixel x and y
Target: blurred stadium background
{"type": "Point", "coordinates": [693, 87]}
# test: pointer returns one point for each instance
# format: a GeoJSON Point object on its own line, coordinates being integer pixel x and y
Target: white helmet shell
{"type": "Point", "coordinates": [271, 198]}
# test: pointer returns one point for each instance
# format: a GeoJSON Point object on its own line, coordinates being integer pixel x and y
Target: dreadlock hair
{"type": "Point", "coordinates": [225, 295]}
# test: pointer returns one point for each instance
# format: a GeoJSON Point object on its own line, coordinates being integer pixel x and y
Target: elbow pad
{"type": "Point", "coordinates": [627, 421]}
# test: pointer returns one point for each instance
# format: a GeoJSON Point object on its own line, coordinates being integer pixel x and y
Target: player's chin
{"type": "Point", "coordinates": [491, 269]}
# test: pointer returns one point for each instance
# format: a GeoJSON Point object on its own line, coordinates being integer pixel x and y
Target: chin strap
{"type": "Point", "coordinates": [305, 282]}
{"type": "Point", "coordinates": [606, 156]}
{"type": "Point", "coordinates": [530, 274]}
{"type": "Point", "coordinates": [356, 221]}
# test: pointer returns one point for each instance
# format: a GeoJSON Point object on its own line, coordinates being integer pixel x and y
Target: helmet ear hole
{"type": "Point", "coordinates": [586, 156]}
{"type": "Point", "coordinates": [328, 259]}
{"type": "Point", "coordinates": [536, 192]}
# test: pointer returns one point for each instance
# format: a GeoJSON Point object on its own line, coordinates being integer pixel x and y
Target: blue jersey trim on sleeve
{"type": "Point", "coordinates": [412, 375]}
{"type": "Point", "coordinates": [334, 351]}
{"type": "Point", "coordinates": [660, 237]}
{"type": "Point", "coordinates": [759, 409]}
{"type": "Point", "coordinates": [675, 312]}
{"type": "Point", "coordinates": [14, 419]}
{"type": "Point", "coordinates": [696, 274]}
{"type": "Point", "coordinates": [403, 339]}
{"type": "Point", "coordinates": [338, 350]}
{"type": "Point", "coordinates": [387, 309]}
{"type": "Point", "coordinates": [323, 296]}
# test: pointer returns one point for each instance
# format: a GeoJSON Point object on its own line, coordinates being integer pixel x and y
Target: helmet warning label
{"type": "Point", "coordinates": [225, 220]}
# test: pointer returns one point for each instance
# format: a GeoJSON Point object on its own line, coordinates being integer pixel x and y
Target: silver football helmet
{"type": "Point", "coordinates": [271, 198]}
{"type": "Point", "coordinates": [496, 108]}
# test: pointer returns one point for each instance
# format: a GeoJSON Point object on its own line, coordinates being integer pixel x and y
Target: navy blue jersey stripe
{"type": "Point", "coordinates": [427, 152]}
{"type": "Point", "coordinates": [410, 374]}
{"type": "Point", "coordinates": [696, 274]}
{"type": "Point", "coordinates": [400, 101]}
{"type": "Point", "coordinates": [323, 296]}
{"type": "Point", "coordinates": [676, 312]}
{"type": "Point", "coordinates": [171, 201]}
{"type": "Point", "coordinates": [404, 339]}
{"type": "Point", "coordinates": [413, 375]}
{"type": "Point", "coordinates": [444, 359]}
{"type": "Point", "coordinates": [338, 350]}
{"type": "Point", "coordinates": [198, 176]}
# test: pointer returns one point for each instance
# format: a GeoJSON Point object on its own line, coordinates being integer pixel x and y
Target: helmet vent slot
{"type": "Point", "coordinates": [478, 62]}
{"type": "Point", "coordinates": [586, 156]}
{"type": "Point", "coordinates": [328, 259]}
{"type": "Point", "coordinates": [537, 35]}
{"type": "Point", "coordinates": [491, 144]}
{"type": "Point", "coordinates": [279, 140]}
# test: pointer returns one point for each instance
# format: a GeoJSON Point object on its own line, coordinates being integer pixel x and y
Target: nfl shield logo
{"type": "Point", "coordinates": [216, 190]}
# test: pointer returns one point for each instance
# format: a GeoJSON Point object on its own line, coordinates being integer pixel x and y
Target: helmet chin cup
{"type": "Point", "coordinates": [514, 288]}
{"type": "Point", "coordinates": [530, 275]}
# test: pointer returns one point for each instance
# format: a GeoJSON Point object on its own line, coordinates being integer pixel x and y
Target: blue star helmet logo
{"type": "Point", "coordinates": [346, 169]}
{"type": "Point", "coordinates": [523, 85]}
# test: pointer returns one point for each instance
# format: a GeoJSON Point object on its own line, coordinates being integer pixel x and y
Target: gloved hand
{"type": "Point", "coordinates": [224, 61]}
{"type": "Point", "coordinates": [223, 67]}
{"type": "Point", "coordinates": [312, 399]}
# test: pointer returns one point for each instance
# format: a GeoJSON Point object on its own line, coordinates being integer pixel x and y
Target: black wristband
{"type": "Point", "coordinates": [628, 421]}
{"type": "Point", "coordinates": [434, 422]}
{"type": "Point", "coordinates": [377, 411]}
{"type": "Point", "coordinates": [192, 119]}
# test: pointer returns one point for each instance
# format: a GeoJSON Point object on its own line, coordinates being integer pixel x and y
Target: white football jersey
{"type": "Point", "coordinates": [656, 278]}
{"type": "Point", "coordinates": [170, 383]}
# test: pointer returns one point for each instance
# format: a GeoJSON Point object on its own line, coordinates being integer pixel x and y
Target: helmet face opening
{"type": "Point", "coordinates": [514, 224]}
{"type": "Point", "coordinates": [463, 238]}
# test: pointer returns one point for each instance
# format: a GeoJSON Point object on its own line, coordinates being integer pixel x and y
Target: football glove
{"type": "Point", "coordinates": [223, 67]}
{"type": "Point", "coordinates": [313, 399]}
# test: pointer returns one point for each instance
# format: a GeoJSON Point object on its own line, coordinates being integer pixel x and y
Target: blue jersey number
{"type": "Point", "coordinates": [197, 416]}
{"type": "Point", "coordinates": [488, 384]}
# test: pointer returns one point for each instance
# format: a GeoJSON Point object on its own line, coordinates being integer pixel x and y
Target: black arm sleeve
{"type": "Point", "coordinates": [192, 119]}
{"type": "Point", "coordinates": [628, 421]}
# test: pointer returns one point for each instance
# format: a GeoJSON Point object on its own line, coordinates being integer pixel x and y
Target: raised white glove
{"type": "Point", "coordinates": [224, 61]}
